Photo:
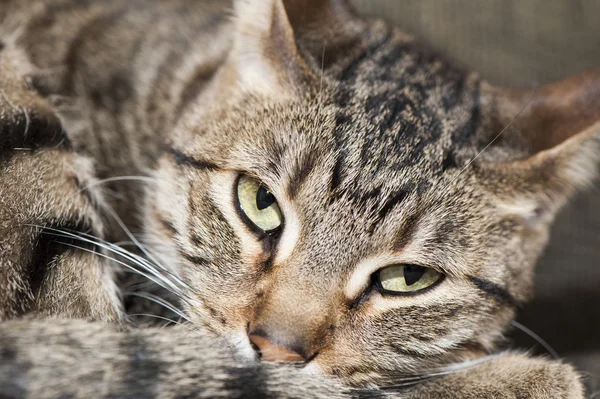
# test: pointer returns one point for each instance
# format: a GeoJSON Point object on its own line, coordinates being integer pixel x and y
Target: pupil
{"type": "Point", "coordinates": [412, 274]}
{"type": "Point", "coordinates": [264, 198]}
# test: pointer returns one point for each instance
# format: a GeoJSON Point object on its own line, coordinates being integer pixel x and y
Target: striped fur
{"type": "Point", "coordinates": [377, 150]}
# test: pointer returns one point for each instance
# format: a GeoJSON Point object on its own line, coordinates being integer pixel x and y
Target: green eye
{"type": "Point", "coordinates": [258, 204]}
{"type": "Point", "coordinates": [402, 279]}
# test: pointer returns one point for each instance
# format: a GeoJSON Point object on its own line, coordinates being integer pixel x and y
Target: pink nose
{"type": "Point", "coordinates": [269, 352]}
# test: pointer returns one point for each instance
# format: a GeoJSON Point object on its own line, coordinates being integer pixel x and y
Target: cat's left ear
{"type": "Point", "coordinates": [556, 131]}
{"type": "Point", "coordinates": [264, 58]}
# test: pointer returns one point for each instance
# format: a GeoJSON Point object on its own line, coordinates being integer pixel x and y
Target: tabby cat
{"type": "Point", "coordinates": [318, 190]}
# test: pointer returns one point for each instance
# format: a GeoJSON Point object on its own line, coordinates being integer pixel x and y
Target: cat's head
{"type": "Point", "coordinates": [340, 196]}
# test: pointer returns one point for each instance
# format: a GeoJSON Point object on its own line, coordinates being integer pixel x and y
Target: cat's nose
{"type": "Point", "coordinates": [270, 352]}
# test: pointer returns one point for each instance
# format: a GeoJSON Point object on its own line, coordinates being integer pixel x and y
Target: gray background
{"type": "Point", "coordinates": [523, 43]}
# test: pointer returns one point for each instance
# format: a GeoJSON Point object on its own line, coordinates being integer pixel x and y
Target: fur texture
{"type": "Point", "coordinates": [377, 151]}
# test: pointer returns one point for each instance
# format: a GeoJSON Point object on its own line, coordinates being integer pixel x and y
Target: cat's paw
{"type": "Point", "coordinates": [506, 376]}
{"type": "Point", "coordinates": [555, 380]}
{"type": "Point", "coordinates": [45, 206]}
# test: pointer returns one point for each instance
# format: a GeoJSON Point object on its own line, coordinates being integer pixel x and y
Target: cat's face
{"type": "Point", "coordinates": [341, 217]}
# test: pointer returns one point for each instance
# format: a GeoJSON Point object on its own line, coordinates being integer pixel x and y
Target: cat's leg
{"type": "Point", "coordinates": [43, 200]}
{"type": "Point", "coordinates": [98, 360]}
{"type": "Point", "coordinates": [504, 376]}
{"type": "Point", "coordinates": [75, 359]}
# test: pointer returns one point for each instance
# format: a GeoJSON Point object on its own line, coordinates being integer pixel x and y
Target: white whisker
{"type": "Point", "coordinates": [160, 301]}
{"type": "Point", "coordinates": [141, 261]}
{"type": "Point", "coordinates": [452, 369]}
{"type": "Point", "coordinates": [537, 338]}
{"type": "Point", "coordinates": [95, 183]}
{"type": "Point", "coordinates": [132, 238]}
{"type": "Point", "coordinates": [158, 317]}
{"type": "Point", "coordinates": [492, 141]}
{"type": "Point", "coordinates": [137, 260]}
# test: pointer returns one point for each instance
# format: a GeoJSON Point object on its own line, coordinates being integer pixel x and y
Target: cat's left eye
{"type": "Point", "coordinates": [258, 205]}
{"type": "Point", "coordinates": [406, 279]}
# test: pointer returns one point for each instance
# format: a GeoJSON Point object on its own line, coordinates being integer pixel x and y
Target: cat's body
{"type": "Point", "coordinates": [372, 149]}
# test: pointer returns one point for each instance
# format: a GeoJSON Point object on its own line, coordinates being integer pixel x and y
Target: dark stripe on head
{"type": "Point", "coordinates": [393, 200]}
{"type": "Point", "coordinates": [408, 230]}
{"type": "Point", "coordinates": [493, 290]}
{"type": "Point", "coordinates": [343, 122]}
{"type": "Point", "coordinates": [184, 159]}
{"type": "Point", "coordinates": [214, 313]}
{"type": "Point", "coordinates": [300, 172]}
{"type": "Point", "coordinates": [461, 136]}
{"type": "Point", "coordinates": [336, 173]}
{"type": "Point", "coordinates": [348, 76]}
{"type": "Point", "coordinates": [363, 199]}
{"type": "Point", "coordinates": [449, 161]}
{"type": "Point", "coordinates": [445, 230]}
{"type": "Point", "coordinates": [350, 72]}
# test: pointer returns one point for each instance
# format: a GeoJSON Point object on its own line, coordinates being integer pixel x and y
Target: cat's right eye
{"type": "Point", "coordinates": [258, 205]}
{"type": "Point", "coordinates": [406, 279]}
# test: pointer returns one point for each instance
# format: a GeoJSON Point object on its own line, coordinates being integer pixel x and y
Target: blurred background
{"type": "Point", "coordinates": [524, 43]}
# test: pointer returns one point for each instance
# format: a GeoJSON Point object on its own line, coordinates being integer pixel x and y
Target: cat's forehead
{"type": "Point", "coordinates": [395, 119]}
{"type": "Point", "coordinates": [400, 107]}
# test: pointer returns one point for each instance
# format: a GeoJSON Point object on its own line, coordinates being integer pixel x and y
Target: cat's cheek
{"type": "Point", "coordinates": [448, 290]}
{"type": "Point", "coordinates": [289, 236]}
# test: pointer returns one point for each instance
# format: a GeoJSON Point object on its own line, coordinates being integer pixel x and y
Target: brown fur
{"type": "Point", "coordinates": [377, 151]}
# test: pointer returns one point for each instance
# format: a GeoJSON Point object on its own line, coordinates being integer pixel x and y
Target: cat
{"type": "Point", "coordinates": [316, 189]}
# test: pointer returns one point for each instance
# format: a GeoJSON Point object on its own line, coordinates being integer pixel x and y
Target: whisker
{"type": "Point", "coordinates": [537, 338]}
{"type": "Point", "coordinates": [132, 237]}
{"type": "Point", "coordinates": [452, 369]}
{"type": "Point", "coordinates": [127, 255]}
{"type": "Point", "coordinates": [175, 287]}
{"type": "Point", "coordinates": [148, 271]}
{"type": "Point", "coordinates": [124, 243]}
{"type": "Point", "coordinates": [159, 317]}
{"type": "Point", "coordinates": [144, 285]}
{"type": "Point", "coordinates": [95, 183]}
{"type": "Point", "coordinates": [159, 282]}
{"type": "Point", "coordinates": [160, 301]}
{"type": "Point", "coordinates": [495, 138]}
{"type": "Point", "coordinates": [124, 253]}
{"type": "Point", "coordinates": [190, 327]}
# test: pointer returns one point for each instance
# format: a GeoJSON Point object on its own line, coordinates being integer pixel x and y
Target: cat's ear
{"type": "Point", "coordinates": [264, 56]}
{"type": "Point", "coordinates": [320, 14]}
{"type": "Point", "coordinates": [556, 130]}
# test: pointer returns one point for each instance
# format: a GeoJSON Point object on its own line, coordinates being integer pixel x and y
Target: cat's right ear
{"type": "Point", "coordinates": [556, 132]}
{"type": "Point", "coordinates": [264, 58]}
{"type": "Point", "coordinates": [320, 14]}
